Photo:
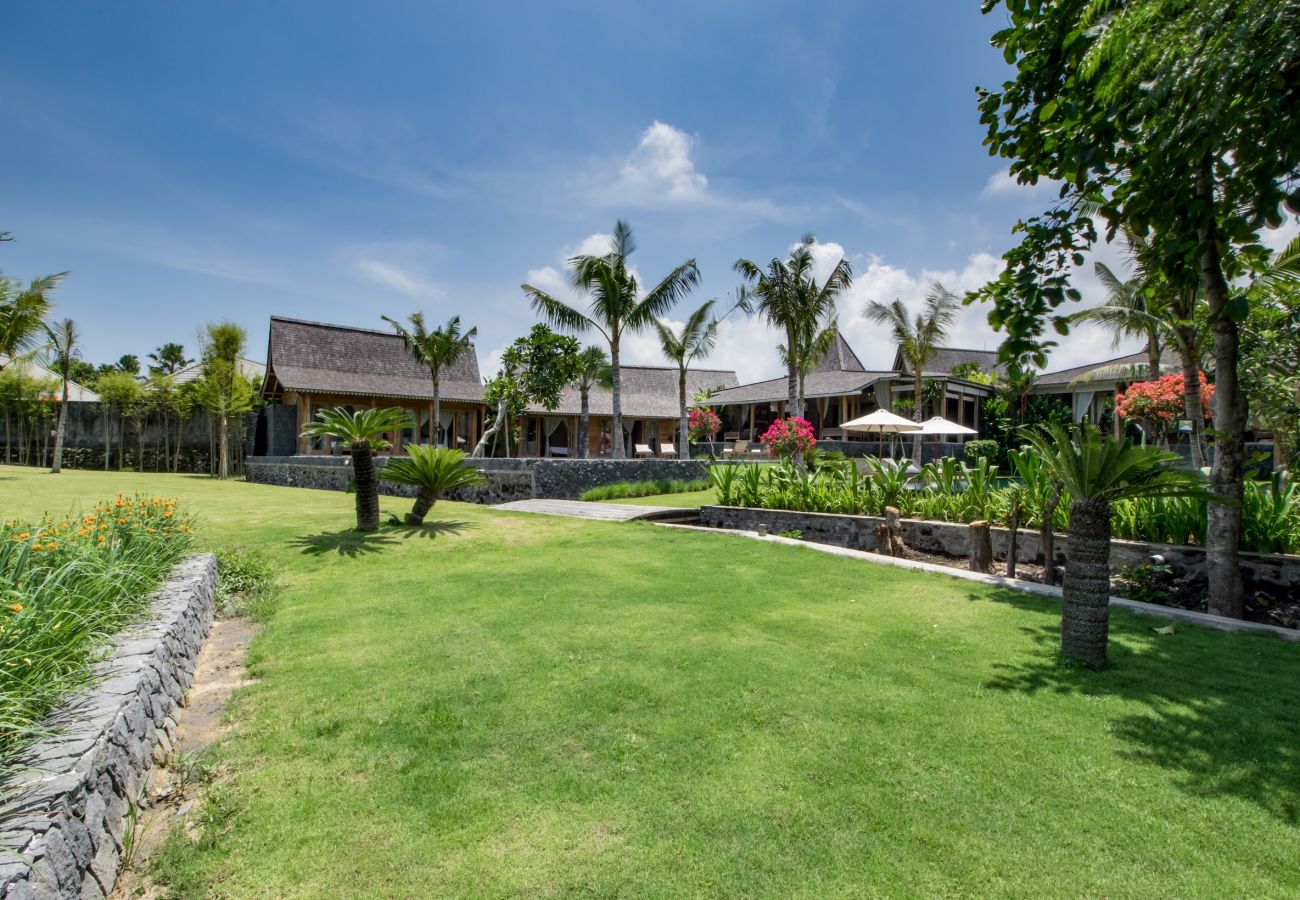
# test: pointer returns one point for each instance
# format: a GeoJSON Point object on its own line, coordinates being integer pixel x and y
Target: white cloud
{"type": "Point", "coordinates": [392, 276]}
{"type": "Point", "coordinates": [592, 245]}
{"type": "Point", "coordinates": [661, 166]}
{"type": "Point", "coordinates": [1003, 184]}
{"type": "Point", "coordinates": [549, 279]}
{"type": "Point", "coordinates": [1277, 238]}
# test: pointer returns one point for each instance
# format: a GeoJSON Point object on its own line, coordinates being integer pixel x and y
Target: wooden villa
{"type": "Point", "coordinates": [312, 366]}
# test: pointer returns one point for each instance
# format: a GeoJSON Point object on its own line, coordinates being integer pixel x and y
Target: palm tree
{"type": "Point", "coordinates": [435, 350]}
{"type": "Point", "coordinates": [790, 300]}
{"type": "Point", "coordinates": [1096, 472]}
{"type": "Point", "coordinates": [63, 339]}
{"type": "Point", "coordinates": [695, 341]}
{"type": "Point", "coordinates": [362, 432]}
{"type": "Point", "coordinates": [814, 341]}
{"type": "Point", "coordinates": [432, 471]}
{"type": "Point", "coordinates": [615, 308]}
{"type": "Point", "coordinates": [22, 314]}
{"type": "Point", "coordinates": [593, 371]}
{"type": "Point", "coordinates": [169, 359]}
{"type": "Point", "coordinates": [917, 338]}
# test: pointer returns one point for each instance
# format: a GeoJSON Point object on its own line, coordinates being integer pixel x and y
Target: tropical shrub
{"type": "Point", "coordinates": [432, 471]}
{"type": "Point", "coordinates": [703, 423]}
{"type": "Point", "coordinates": [1160, 402]}
{"type": "Point", "coordinates": [622, 489]}
{"type": "Point", "coordinates": [990, 450]}
{"type": "Point", "coordinates": [67, 584]}
{"type": "Point", "coordinates": [789, 438]}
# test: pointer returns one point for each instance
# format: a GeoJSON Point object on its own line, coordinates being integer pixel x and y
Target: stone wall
{"type": "Point", "coordinates": [507, 479]}
{"type": "Point", "coordinates": [1276, 576]}
{"type": "Point", "coordinates": [66, 800]}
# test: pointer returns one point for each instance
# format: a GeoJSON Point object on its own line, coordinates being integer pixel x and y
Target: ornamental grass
{"type": "Point", "coordinates": [67, 584]}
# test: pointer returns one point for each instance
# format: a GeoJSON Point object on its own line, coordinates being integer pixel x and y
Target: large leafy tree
{"type": "Point", "coordinates": [1171, 117]}
{"type": "Point", "coordinates": [1096, 472]}
{"type": "Point", "coordinates": [1271, 352]}
{"type": "Point", "coordinates": [23, 311]}
{"type": "Point", "coordinates": [917, 338]}
{"type": "Point", "coordinates": [64, 341]}
{"type": "Point", "coordinates": [437, 350]}
{"type": "Point", "coordinates": [694, 340]}
{"type": "Point", "coordinates": [535, 369]}
{"type": "Point", "coordinates": [788, 296]}
{"type": "Point", "coordinates": [592, 368]}
{"type": "Point", "coordinates": [617, 305]}
{"type": "Point", "coordinates": [362, 432]}
{"type": "Point", "coordinates": [223, 389]}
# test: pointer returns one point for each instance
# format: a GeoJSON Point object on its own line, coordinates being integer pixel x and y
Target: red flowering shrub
{"type": "Point", "coordinates": [703, 424]}
{"type": "Point", "coordinates": [788, 438]}
{"type": "Point", "coordinates": [1161, 401]}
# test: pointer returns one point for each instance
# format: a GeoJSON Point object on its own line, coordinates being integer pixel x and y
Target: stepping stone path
{"type": "Point", "coordinates": [605, 512]}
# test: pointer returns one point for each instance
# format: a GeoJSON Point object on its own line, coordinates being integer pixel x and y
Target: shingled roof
{"type": "Point", "coordinates": [318, 358]}
{"type": "Point", "coordinates": [1122, 368]}
{"type": "Point", "coordinates": [944, 359]}
{"type": "Point", "coordinates": [648, 392]}
{"type": "Point", "coordinates": [840, 358]}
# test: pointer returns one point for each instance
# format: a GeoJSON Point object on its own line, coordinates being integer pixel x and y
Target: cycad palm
{"type": "Point", "coordinates": [363, 433]}
{"type": "Point", "coordinates": [917, 338]}
{"type": "Point", "coordinates": [432, 471]}
{"type": "Point", "coordinates": [1096, 472]}
{"type": "Point", "coordinates": [436, 350]}
{"type": "Point", "coordinates": [616, 307]}
{"type": "Point", "coordinates": [593, 370]}
{"type": "Point", "coordinates": [788, 297]}
{"type": "Point", "coordinates": [64, 341]}
{"type": "Point", "coordinates": [696, 340]}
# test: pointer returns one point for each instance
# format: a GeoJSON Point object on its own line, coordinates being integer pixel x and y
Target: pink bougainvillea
{"type": "Point", "coordinates": [1160, 401]}
{"type": "Point", "coordinates": [789, 438]}
{"type": "Point", "coordinates": [703, 423]}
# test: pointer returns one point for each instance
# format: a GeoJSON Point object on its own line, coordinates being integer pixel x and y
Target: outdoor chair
{"type": "Point", "coordinates": [740, 448]}
{"type": "Point", "coordinates": [667, 449]}
{"type": "Point", "coordinates": [643, 450]}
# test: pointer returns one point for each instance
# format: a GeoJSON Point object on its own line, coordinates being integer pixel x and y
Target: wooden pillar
{"type": "Point", "coordinates": [751, 422]}
{"type": "Point", "coordinates": [305, 443]}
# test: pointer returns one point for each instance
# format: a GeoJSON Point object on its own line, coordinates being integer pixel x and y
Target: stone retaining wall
{"type": "Point", "coordinates": [507, 479]}
{"type": "Point", "coordinates": [65, 806]}
{"type": "Point", "coordinates": [1276, 576]}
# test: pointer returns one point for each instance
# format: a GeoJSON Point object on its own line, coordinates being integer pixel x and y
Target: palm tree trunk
{"type": "Point", "coordinates": [792, 405]}
{"type": "Point", "coordinates": [684, 427]}
{"type": "Point", "coordinates": [436, 424]}
{"type": "Point", "coordinates": [1226, 593]}
{"type": "Point", "coordinates": [584, 423]}
{"type": "Point", "coordinates": [56, 464]}
{"type": "Point", "coordinates": [1153, 355]}
{"type": "Point", "coordinates": [616, 373]}
{"type": "Point", "coordinates": [1085, 595]}
{"type": "Point", "coordinates": [916, 413]}
{"type": "Point", "coordinates": [1047, 535]}
{"type": "Point", "coordinates": [424, 500]}
{"type": "Point", "coordinates": [363, 472]}
{"type": "Point", "coordinates": [1193, 405]}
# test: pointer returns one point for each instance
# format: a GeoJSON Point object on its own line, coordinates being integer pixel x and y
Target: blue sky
{"type": "Point", "coordinates": [339, 161]}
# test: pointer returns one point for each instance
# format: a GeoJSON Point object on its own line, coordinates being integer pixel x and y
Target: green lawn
{"type": "Point", "coordinates": [686, 500]}
{"type": "Point", "coordinates": [504, 705]}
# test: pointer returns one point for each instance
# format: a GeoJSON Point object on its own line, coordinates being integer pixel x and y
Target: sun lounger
{"type": "Point", "coordinates": [643, 450]}
{"type": "Point", "coordinates": [667, 449]}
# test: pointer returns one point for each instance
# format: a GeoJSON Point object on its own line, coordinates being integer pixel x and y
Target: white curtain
{"type": "Point", "coordinates": [1082, 404]}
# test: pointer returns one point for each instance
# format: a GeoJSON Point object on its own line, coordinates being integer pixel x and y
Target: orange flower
{"type": "Point", "coordinates": [24, 536]}
{"type": "Point", "coordinates": [15, 607]}
{"type": "Point", "coordinates": [52, 545]}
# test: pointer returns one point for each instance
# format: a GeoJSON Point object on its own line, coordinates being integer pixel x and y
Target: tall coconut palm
{"type": "Point", "coordinates": [22, 314]}
{"type": "Point", "coordinates": [64, 348]}
{"type": "Point", "coordinates": [917, 338]}
{"type": "Point", "coordinates": [787, 296]}
{"type": "Point", "coordinates": [1096, 472]}
{"type": "Point", "coordinates": [813, 342]}
{"type": "Point", "coordinates": [436, 350]}
{"type": "Point", "coordinates": [432, 471]}
{"type": "Point", "coordinates": [593, 371]}
{"type": "Point", "coordinates": [362, 432]}
{"type": "Point", "coordinates": [169, 359]}
{"type": "Point", "coordinates": [695, 340]}
{"type": "Point", "coordinates": [617, 307]}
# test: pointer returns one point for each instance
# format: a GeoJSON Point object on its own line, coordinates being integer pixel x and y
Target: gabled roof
{"type": "Point", "coordinates": [249, 368]}
{"type": "Point", "coordinates": [840, 358]}
{"type": "Point", "coordinates": [319, 358]}
{"type": "Point", "coordinates": [817, 384]}
{"type": "Point", "coordinates": [76, 392]}
{"type": "Point", "coordinates": [944, 359]}
{"type": "Point", "coordinates": [648, 392]}
{"type": "Point", "coordinates": [1132, 367]}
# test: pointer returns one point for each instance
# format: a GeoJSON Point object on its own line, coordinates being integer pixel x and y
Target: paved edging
{"type": "Point", "coordinates": [1221, 623]}
{"type": "Point", "coordinates": [65, 809]}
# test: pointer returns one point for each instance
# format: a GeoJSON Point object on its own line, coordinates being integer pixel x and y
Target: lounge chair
{"type": "Point", "coordinates": [667, 449]}
{"type": "Point", "coordinates": [740, 448]}
{"type": "Point", "coordinates": [643, 450]}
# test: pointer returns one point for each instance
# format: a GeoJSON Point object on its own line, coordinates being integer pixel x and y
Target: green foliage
{"type": "Point", "coordinates": [1146, 583]}
{"type": "Point", "coordinates": [544, 364]}
{"type": "Point", "coordinates": [438, 469]}
{"type": "Point", "coordinates": [249, 583]}
{"type": "Point", "coordinates": [627, 489]}
{"type": "Point", "coordinates": [1271, 516]}
{"type": "Point", "coordinates": [364, 427]}
{"type": "Point", "coordinates": [66, 585]}
{"type": "Point", "coordinates": [23, 312]}
{"type": "Point", "coordinates": [988, 449]}
{"type": "Point", "coordinates": [120, 392]}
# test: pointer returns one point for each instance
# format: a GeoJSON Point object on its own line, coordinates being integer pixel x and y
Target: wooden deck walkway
{"type": "Point", "coordinates": [604, 512]}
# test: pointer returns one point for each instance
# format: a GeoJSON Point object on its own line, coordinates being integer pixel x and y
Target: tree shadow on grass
{"type": "Point", "coordinates": [1216, 710]}
{"type": "Point", "coordinates": [429, 530]}
{"type": "Point", "coordinates": [348, 542]}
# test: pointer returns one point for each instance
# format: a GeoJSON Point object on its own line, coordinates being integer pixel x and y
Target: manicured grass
{"type": "Point", "coordinates": [629, 489]}
{"type": "Point", "coordinates": [686, 499]}
{"type": "Point", "coordinates": [505, 704]}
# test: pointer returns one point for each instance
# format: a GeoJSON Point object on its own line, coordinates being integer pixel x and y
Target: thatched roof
{"type": "Point", "coordinates": [1122, 368]}
{"type": "Point", "coordinates": [944, 359]}
{"type": "Point", "coordinates": [648, 392]}
{"type": "Point", "coordinates": [318, 358]}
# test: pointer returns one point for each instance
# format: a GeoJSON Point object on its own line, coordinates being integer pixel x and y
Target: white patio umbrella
{"type": "Point", "coordinates": [882, 422]}
{"type": "Point", "coordinates": [940, 425]}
